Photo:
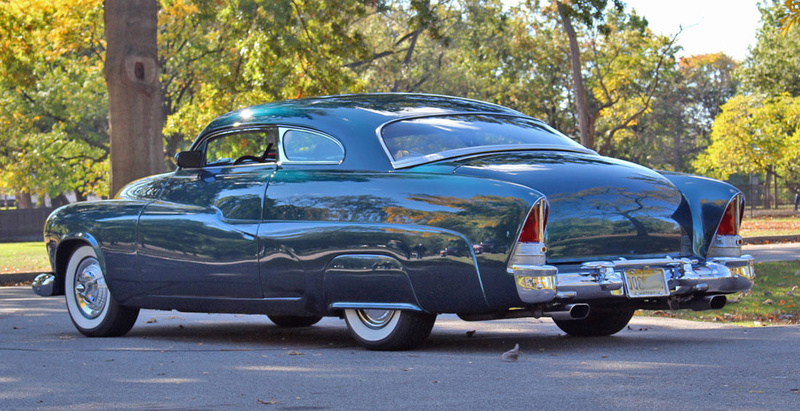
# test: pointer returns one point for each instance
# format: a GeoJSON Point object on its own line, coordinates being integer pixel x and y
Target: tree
{"type": "Point", "coordinates": [684, 107]}
{"type": "Point", "coordinates": [754, 134]}
{"type": "Point", "coordinates": [772, 67]}
{"type": "Point", "coordinates": [588, 11]}
{"type": "Point", "coordinates": [134, 91]}
{"type": "Point", "coordinates": [217, 57]}
{"type": "Point", "coordinates": [52, 98]}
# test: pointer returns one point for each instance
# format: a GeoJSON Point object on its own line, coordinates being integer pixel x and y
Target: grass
{"type": "Point", "coordinates": [774, 299]}
{"type": "Point", "coordinates": [770, 226]}
{"type": "Point", "coordinates": [23, 258]}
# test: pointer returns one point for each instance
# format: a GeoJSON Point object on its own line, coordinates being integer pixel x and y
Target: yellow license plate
{"type": "Point", "coordinates": [646, 283]}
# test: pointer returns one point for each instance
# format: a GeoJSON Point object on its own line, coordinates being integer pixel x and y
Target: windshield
{"type": "Point", "coordinates": [409, 139]}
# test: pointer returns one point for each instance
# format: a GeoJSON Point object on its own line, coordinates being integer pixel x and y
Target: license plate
{"type": "Point", "coordinates": [646, 283]}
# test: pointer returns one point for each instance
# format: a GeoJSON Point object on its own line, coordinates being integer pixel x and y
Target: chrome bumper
{"type": "Point", "coordinates": [603, 280]}
{"type": "Point", "coordinates": [44, 285]}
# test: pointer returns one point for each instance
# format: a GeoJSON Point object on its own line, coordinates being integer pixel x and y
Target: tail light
{"type": "Point", "coordinates": [530, 249]}
{"type": "Point", "coordinates": [727, 242]}
{"type": "Point", "coordinates": [533, 229]}
{"type": "Point", "coordinates": [732, 218]}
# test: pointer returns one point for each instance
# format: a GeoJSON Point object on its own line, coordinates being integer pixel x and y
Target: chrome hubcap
{"type": "Point", "coordinates": [375, 319]}
{"type": "Point", "coordinates": [91, 292]}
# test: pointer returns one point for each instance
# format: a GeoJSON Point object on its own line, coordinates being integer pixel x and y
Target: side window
{"type": "Point", "coordinates": [305, 146]}
{"type": "Point", "coordinates": [248, 147]}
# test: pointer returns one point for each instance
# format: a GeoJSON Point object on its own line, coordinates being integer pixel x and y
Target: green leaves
{"type": "Point", "coordinates": [754, 134]}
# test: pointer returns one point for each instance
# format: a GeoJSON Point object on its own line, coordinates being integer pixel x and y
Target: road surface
{"type": "Point", "coordinates": [174, 360]}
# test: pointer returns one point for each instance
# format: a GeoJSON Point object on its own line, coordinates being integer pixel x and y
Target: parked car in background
{"type": "Point", "coordinates": [340, 205]}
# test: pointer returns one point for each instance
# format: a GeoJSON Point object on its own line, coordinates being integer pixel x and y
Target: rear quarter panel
{"type": "Point", "coordinates": [409, 216]}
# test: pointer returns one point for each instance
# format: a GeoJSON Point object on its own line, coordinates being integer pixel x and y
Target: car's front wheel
{"type": "Point", "coordinates": [92, 308]}
{"type": "Point", "coordinates": [389, 330]}
{"type": "Point", "coordinates": [598, 323]}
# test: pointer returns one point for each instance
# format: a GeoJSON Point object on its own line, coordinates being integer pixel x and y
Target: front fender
{"type": "Point", "coordinates": [107, 226]}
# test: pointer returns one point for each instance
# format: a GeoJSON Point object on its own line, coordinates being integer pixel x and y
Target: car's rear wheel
{"type": "Point", "coordinates": [598, 323]}
{"type": "Point", "coordinates": [389, 330]}
{"type": "Point", "coordinates": [293, 321]}
{"type": "Point", "coordinates": [92, 308]}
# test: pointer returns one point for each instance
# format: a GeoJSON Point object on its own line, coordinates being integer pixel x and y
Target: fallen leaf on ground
{"type": "Point", "coordinates": [268, 402]}
{"type": "Point", "coordinates": [470, 333]}
{"type": "Point", "coordinates": [295, 353]}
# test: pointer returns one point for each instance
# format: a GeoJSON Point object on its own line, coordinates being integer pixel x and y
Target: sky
{"type": "Point", "coordinates": [709, 26]}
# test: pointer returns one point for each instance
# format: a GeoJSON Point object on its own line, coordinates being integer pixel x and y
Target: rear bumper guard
{"type": "Point", "coordinates": [596, 280]}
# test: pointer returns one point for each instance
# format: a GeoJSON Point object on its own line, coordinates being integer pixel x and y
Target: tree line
{"type": "Point", "coordinates": [590, 68]}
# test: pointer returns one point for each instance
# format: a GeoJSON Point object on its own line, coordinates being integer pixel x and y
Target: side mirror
{"type": "Point", "coordinates": [189, 159]}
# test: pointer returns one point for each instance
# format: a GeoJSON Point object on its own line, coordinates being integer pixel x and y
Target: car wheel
{"type": "Point", "coordinates": [597, 324]}
{"type": "Point", "coordinates": [388, 330]}
{"type": "Point", "coordinates": [293, 321]}
{"type": "Point", "coordinates": [93, 309]}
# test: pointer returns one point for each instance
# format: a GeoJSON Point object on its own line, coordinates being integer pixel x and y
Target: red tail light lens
{"type": "Point", "coordinates": [533, 230]}
{"type": "Point", "coordinates": [730, 220]}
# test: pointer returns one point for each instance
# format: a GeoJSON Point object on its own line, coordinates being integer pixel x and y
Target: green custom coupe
{"type": "Point", "coordinates": [388, 209]}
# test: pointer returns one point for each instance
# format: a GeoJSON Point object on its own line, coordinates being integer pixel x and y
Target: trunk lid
{"type": "Point", "coordinates": [600, 207]}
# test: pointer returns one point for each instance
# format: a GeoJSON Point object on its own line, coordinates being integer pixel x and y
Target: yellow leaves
{"type": "Point", "coordinates": [753, 134]}
{"type": "Point", "coordinates": [792, 17]}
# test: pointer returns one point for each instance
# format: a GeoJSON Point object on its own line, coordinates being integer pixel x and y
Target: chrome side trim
{"type": "Point", "coordinates": [374, 306]}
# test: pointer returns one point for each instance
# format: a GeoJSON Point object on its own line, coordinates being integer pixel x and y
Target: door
{"type": "Point", "coordinates": [200, 238]}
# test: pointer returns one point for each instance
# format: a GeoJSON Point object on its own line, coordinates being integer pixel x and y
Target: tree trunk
{"type": "Point", "coordinates": [775, 188]}
{"type": "Point", "coordinates": [587, 137]}
{"type": "Point", "coordinates": [134, 93]}
{"type": "Point", "coordinates": [767, 194]}
{"type": "Point", "coordinates": [24, 200]}
{"type": "Point", "coordinates": [59, 200]}
{"type": "Point", "coordinates": [79, 196]}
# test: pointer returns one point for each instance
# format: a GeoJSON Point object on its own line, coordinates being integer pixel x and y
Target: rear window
{"type": "Point", "coordinates": [407, 140]}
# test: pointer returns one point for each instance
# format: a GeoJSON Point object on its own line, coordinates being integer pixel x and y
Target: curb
{"type": "Point", "coordinates": [792, 238]}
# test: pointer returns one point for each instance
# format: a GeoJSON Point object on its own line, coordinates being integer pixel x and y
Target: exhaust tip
{"type": "Point", "coordinates": [579, 311]}
{"type": "Point", "coordinates": [717, 302]}
{"type": "Point", "coordinates": [709, 302]}
{"type": "Point", "coordinates": [569, 312]}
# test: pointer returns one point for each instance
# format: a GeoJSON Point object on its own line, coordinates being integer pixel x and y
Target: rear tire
{"type": "Point", "coordinates": [293, 321]}
{"type": "Point", "coordinates": [389, 330]}
{"type": "Point", "coordinates": [597, 324]}
{"type": "Point", "coordinates": [92, 308]}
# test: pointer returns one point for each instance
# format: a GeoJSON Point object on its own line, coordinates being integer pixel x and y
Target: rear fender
{"type": "Point", "coordinates": [707, 199]}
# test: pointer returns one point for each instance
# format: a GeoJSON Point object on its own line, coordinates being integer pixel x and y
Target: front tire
{"type": "Point", "coordinates": [598, 323]}
{"type": "Point", "coordinates": [92, 308]}
{"type": "Point", "coordinates": [389, 330]}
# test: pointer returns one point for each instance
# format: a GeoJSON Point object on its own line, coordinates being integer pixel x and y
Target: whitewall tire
{"type": "Point", "coordinates": [92, 308]}
{"type": "Point", "coordinates": [377, 329]}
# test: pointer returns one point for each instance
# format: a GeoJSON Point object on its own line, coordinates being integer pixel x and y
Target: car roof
{"type": "Point", "coordinates": [353, 119]}
{"type": "Point", "coordinates": [367, 109]}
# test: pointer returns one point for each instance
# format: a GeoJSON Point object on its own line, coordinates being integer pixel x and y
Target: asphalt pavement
{"type": "Point", "coordinates": [173, 360]}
